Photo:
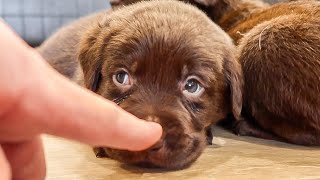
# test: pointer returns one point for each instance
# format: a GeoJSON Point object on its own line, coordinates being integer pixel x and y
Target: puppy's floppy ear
{"type": "Point", "coordinates": [234, 77]}
{"type": "Point", "coordinates": [90, 58]}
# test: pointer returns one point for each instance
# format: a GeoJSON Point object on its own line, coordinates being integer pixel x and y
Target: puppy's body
{"type": "Point", "coordinates": [262, 13]}
{"type": "Point", "coordinates": [279, 49]}
{"type": "Point", "coordinates": [162, 61]}
{"type": "Point", "coordinates": [280, 56]}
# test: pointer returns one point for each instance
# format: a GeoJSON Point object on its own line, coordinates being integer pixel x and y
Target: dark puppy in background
{"type": "Point", "coordinates": [163, 61]}
{"type": "Point", "coordinates": [279, 50]}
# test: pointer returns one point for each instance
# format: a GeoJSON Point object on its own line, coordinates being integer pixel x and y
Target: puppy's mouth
{"type": "Point", "coordinates": [162, 155]}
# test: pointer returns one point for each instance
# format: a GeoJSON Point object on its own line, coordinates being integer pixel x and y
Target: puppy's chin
{"type": "Point", "coordinates": [163, 157]}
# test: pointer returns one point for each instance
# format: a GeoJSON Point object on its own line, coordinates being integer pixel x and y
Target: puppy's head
{"type": "Point", "coordinates": [164, 61]}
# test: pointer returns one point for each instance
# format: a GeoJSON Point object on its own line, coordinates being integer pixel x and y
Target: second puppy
{"type": "Point", "coordinates": [279, 49]}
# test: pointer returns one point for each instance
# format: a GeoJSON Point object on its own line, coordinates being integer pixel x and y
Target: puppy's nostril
{"type": "Point", "coordinates": [157, 146]}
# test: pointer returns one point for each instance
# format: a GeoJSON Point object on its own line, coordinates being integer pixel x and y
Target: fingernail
{"type": "Point", "coordinates": [155, 126]}
{"type": "Point", "coordinates": [156, 130]}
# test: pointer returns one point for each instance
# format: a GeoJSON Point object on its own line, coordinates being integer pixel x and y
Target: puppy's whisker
{"type": "Point", "coordinates": [120, 99]}
{"type": "Point", "coordinates": [194, 107]}
{"type": "Point", "coordinates": [117, 100]}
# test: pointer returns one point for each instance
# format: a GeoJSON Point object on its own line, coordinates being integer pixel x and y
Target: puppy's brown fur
{"type": "Point", "coordinates": [159, 44]}
{"type": "Point", "coordinates": [226, 13]}
{"type": "Point", "coordinates": [279, 49]}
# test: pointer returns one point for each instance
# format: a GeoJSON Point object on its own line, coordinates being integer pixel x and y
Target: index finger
{"type": "Point", "coordinates": [43, 101]}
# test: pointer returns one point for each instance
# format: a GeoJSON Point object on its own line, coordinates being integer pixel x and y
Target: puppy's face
{"type": "Point", "coordinates": [156, 61]}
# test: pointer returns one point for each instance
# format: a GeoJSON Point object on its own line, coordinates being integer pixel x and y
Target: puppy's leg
{"type": "Point", "coordinates": [287, 128]}
{"type": "Point", "coordinates": [245, 128]}
{"type": "Point", "coordinates": [209, 135]}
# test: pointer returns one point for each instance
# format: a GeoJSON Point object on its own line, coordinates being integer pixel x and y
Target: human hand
{"type": "Point", "coordinates": [35, 99]}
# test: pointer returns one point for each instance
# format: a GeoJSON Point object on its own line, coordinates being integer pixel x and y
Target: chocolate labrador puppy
{"type": "Point", "coordinates": [279, 50]}
{"type": "Point", "coordinates": [163, 61]}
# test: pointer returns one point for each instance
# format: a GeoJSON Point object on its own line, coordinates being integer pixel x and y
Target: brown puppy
{"type": "Point", "coordinates": [162, 61]}
{"type": "Point", "coordinates": [279, 49]}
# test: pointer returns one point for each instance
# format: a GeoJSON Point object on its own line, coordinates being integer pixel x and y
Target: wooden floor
{"type": "Point", "coordinates": [231, 158]}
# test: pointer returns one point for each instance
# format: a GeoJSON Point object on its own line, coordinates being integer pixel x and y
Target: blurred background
{"type": "Point", "coordinates": [35, 20]}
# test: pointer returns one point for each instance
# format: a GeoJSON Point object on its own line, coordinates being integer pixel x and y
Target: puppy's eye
{"type": "Point", "coordinates": [192, 88]}
{"type": "Point", "coordinates": [122, 79]}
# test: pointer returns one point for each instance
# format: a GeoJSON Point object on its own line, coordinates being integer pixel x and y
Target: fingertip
{"type": "Point", "coordinates": [156, 133]}
{"type": "Point", "coordinates": [156, 128]}
{"type": "Point", "coordinates": [151, 134]}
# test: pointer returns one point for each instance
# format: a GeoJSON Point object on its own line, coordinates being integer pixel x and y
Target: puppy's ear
{"type": "Point", "coordinates": [234, 77]}
{"type": "Point", "coordinates": [90, 58]}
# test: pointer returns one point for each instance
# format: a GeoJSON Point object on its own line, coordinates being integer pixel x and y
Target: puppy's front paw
{"type": "Point", "coordinates": [245, 128]}
{"type": "Point", "coordinates": [242, 128]}
{"type": "Point", "coordinates": [209, 136]}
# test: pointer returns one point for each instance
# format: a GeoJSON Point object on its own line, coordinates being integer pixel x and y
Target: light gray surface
{"type": "Point", "coordinates": [35, 20]}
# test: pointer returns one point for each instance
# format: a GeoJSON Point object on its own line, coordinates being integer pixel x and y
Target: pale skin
{"type": "Point", "coordinates": [35, 100]}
